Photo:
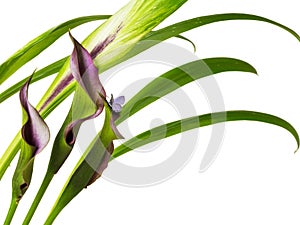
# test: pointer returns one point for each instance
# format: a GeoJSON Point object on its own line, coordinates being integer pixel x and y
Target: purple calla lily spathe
{"type": "Point", "coordinates": [88, 103]}
{"type": "Point", "coordinates": [86, 74]}
{"type": "Point", "coordinates": [36, 135]}
{"type": "Point", "coordinates": [70, 77]}
{"type": "Point", "coordinates": [35, 131]}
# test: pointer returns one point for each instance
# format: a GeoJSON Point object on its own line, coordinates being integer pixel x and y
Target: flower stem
{"type": "Point", "coordinates": [11, 211]}
{"type": "Point", "coordinates": [47, 179]}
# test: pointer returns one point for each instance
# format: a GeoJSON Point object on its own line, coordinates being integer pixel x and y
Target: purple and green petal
{"type": "Point", "coordinates": [87, 104]}
{"type": "Point", "coordinates": [36, 135]}
{"type": "Point", "coordinates": [86, 73]}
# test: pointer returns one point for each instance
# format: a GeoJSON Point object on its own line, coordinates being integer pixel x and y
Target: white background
{"type": "Point", "coordinates": [255, 179]}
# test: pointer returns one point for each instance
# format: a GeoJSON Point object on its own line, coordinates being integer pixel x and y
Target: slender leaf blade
{"type": "Point", "coordinates": [163, 34]}
{"type": "Point", "coordinates": [40, 43]}
{"type": "Point", "coordinates": [179, 77]}
{"type": "Point", "coordinates": [40, 74]}
{"type": "Point", "coordinates": [180, 126]}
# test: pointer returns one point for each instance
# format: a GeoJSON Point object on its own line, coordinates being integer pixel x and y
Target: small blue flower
{"type": "Point", "coordinates": [116, 104]}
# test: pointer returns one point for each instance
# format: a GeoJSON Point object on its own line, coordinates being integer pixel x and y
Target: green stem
{"type": "Point", "coordinates": [11, 211]}
{"type": "Point", "coordinates": [47, 179]}
{"type": "Point", "coordinates": [61, 202]}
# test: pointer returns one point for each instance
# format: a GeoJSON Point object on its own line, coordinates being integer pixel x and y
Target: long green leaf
{"type": "Point", "coordinates": [151, 40]}
{"type": "Point", "coordinates": [39, 44]}
{"type": "Point", "coordinates": [187, 25]}
{"type": "Point", "coordinates": [179, 77]}
{"type": "Point", "coordinates": [180, 126]}
{"type": "Point", "coordinates": [40, 74]}
{"type": "Point", "coordinates": [173, 30]}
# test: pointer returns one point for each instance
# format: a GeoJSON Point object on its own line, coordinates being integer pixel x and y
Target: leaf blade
{"type": "Point", "coordinates": [178, 77]}
{"type": "Point", "coordinates": [180, 126]}
{"type": "Point", "coordinates": [173, 30]}
{"type": "Point", "coordinates": [40, 74]}
{"type": "Point", "coordinates": [40, 43]}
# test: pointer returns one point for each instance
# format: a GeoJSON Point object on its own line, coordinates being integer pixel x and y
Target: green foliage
{"type": "Point", "coordinates": [122, 36]}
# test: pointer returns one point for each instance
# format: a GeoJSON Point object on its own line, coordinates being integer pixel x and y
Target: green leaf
{"type": "Point", "coordinates": [163, 34]}
{"type": "Point", "coordinates": [190, 24]}
{"type": "Point", "coordinates": [180, 126]}
{"type": "Point", "coordinates": [40, 74]}
{"type": "Point", "coordinates": [179, 77]}
{"type": "Point", "coordinates": [39, 44]}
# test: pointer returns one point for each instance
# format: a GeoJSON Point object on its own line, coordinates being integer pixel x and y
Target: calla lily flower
{"type": "Point", "coordinates": [36, 135]}
{"type": "Point", "coordinates": [86, 75]}
{"type": "Point", "coordinates": [87, 103]}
